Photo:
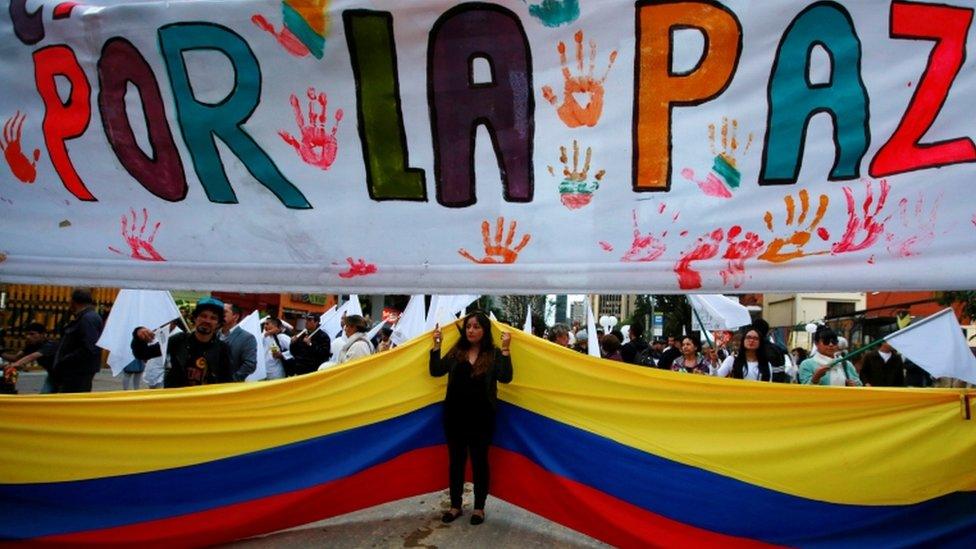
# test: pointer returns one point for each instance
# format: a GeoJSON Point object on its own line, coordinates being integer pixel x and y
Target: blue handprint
{"type": "Point", "coordinates": [553, 13]}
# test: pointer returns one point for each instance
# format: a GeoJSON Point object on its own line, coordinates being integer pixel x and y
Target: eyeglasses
{"type": "Point", "coordinates": [829, 342]}
{"type": "Point", "coordinates": [752, 338]}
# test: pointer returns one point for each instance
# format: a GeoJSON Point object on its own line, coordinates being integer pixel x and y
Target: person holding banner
{"type": "Point", "coordinates": [752, 361]}
{"type": "Point", "coordinates": [821, 368]}
{"type": "Point", "coordinates": [474, 367]}
{"type": "Point", "coordinates": [195, 358]}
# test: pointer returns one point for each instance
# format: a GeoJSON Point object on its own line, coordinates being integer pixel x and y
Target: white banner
{"type": "Point", "coordinates": [532, 147]}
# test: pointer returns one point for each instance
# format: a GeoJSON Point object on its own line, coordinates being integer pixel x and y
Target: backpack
{"type": "Point", "coordinates": [645, 358]}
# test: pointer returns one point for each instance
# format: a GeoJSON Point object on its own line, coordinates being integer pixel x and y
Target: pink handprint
{"type": "Point", "coordinates": [920, 229]}
{"type": "Point", "coordinates": [646, 246]}
{"type": "Point", "coordinates": [141, 247]}
{"type": "Point", "coordinates": [285, 37]}
{"type": "Point", "coordinates": [358, 268]}
{"type": "Point", "coordinates": [869, 224]}
{"type": "Point", "coordinates": [706, 247]}
{"type": "Point", "coordinates": [737, 253]}
{"type": "Point", "coordinates": [317, 147]}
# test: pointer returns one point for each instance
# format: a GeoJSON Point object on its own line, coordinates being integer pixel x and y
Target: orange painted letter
{"type": "Point", "coordinates": [659, 88]}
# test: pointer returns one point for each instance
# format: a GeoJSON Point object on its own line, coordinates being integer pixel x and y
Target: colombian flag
{"type": "Point", "coordinates": [629, 455]}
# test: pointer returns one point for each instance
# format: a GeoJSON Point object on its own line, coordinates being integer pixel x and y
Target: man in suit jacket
{"type": "Point", "coordinates": [243, 346]}
{"type": "Point", "coordinates": [883, 368]}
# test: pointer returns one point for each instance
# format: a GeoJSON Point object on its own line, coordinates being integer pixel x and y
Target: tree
{"type": "Point", "coordinates": [515, 306]}
{"type": "Point", "coordinates": [967, 299]}
{"type": "Point", "coordinates": [677, 313]}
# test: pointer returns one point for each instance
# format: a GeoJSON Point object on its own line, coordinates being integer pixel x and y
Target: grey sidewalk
{"type": "Point", "coordinates": [415, 522]}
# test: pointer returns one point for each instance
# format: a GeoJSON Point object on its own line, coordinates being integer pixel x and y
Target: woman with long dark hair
{"type": "Point", "coordinates": [751, 362]}
{"type": "Point", "coordinates": [819, 370]}
{"type": "Point", "coordinates": [474, 367]}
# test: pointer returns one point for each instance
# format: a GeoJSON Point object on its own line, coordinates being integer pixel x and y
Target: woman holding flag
{"type": "Point", "coordinates": [474, 367]}
{"type": "Point", "coordinates": [821, 368]}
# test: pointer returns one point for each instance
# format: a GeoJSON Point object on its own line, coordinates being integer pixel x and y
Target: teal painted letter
{"type": "Point", "coordinates": [793, 100]}
{"type": "Point", "coordinates": [202, 122]}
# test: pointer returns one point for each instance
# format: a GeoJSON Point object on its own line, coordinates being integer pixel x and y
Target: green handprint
{"type": "Point", "coordinates": [553, 13]}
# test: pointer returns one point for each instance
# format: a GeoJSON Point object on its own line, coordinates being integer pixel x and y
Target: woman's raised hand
{"type": "Point", "coordinates": [437, 338]}
{"type": "Point", "coordinates": [506, 341]}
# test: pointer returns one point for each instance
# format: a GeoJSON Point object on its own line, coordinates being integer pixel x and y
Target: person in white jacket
{"type": "Point", "coordinates": [356, 345]}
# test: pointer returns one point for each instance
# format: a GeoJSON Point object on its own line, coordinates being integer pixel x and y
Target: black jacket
{"type": "Point", "coordinates": [499, 371]}
{"type": "Point", "coordinates": [77, 354]}
{"type": "Point", "coordinates": [308, 357]}
{"type": "Point", "coordinates": [629, 350]}
{"type": "Point", "coordinates": [183, 366]}
{"type": "Point", "coordinates": [878, 373]}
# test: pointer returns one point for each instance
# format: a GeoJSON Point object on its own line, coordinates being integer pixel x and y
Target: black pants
{"type": "Point", "coordinates": [462, 440]}
{"type": "Point", "coordinates": [74, 382]}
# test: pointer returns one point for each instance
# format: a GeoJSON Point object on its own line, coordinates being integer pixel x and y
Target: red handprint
{"type": "Point", "coordinates": [706, 247]}
{"type": "Point", "coordinates": [571, 112]}
{"type": "Point", "coordinates": [868, 225]}
{"type": "Point", "coordinates": [317, 147]}
{"type": "Point", "coordinates": [358, 268]}
{"type": "Point", "coordinates": [23, 169]}
{"type": "Point", "coordinates": [285, 37]}
{"type": "Point", "coordinates": [921, 229]}
{"type": "Point", "coordinates": [645, 246]}
{"type": "Point", "coordinates": [737, 253]}
{"type": "Point", "coordinates": [141, 247]}
{"type": "Point", "coordinates": [497, 252]}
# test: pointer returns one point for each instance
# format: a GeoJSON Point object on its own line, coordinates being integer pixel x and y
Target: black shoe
{"type": "Point", "coordinates": [477, 519]}
{"type": "Point", "coordinates": [449, 516]}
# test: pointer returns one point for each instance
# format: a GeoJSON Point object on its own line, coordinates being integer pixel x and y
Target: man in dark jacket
{"type": "Point", "coordinates": [310, 347]}
{"type": "Point", "coordinates": [197, 358]}
{"type": "Point", "coordinates": [883, 368]}
{"type": "Point", "coordinates": [637, 343]}
{"type": "Point", "coordinates": [78, 359]}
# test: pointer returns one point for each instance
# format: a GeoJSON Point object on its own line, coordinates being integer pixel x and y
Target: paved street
{"type": "Point", "coordinates": [411, 522]}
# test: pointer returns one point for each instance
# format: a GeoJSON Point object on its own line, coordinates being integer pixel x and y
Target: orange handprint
{"type": "Point", "coordinates": [23, 169]}
{"type": "Point", "coordinates": [285, 37]}
{"type": "Point", "coordinates": [571, 112]}
{"type": "Point", "coordinates": [497, 252]}
{"type": "Point", "coordinates": [801, 236]}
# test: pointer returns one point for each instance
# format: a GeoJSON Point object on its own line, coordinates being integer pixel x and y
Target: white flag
{"type": "Point", "coordinates": [527, 327]}
{"type": "Point", "coordinates": [134, 308]}
{"type": "Point", "coordinates": [718, 312]}
{"type": "Point", "coordinates": [938, 346]}
{"type": "Point", "coordinates": [333, 325]}
{"type": "Point", "coordinates": [592, 341]}
{"type": "Point", "coordinates": [411, 322]}
{"type": "Point", "coordinates": [444, 309]}
{"type": "Point", "coordinates": [252, 325]}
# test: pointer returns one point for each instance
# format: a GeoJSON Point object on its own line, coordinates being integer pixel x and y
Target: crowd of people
{"type": "Point", "coordinates": [218, 350]}
{"type": "Point", "coordinates": [752, 354]}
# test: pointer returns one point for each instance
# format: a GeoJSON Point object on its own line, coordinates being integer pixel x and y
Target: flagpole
{"type": "Point", "coordinates": [858, 351]}
{"type": "Point", "coordinates": [700, 323]}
